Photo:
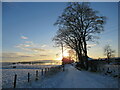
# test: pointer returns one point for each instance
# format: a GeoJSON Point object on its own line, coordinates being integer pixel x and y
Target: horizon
{"type": "Point", "coordinates": [28, 30]}
{"type": "Point", "coordinates": [45, 61]}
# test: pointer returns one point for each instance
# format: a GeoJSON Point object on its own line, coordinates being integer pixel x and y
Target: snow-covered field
{"type": "Point", "coordinates": [8, 77]}
{"type": "Point", "coordinates": [8, 74]}
{"type": "Point", "coordinates": [26, 66]}
{"type": "Point", "coordinates": [10, 65]}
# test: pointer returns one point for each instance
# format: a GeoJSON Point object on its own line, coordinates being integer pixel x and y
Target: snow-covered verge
{"type": "Point", "coordinates": [113, 68]}
{"type": "Point", "coordinates": [103, 67]}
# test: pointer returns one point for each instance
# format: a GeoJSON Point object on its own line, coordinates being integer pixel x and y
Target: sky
{"type": "Point", "coordinates": [27, 30]}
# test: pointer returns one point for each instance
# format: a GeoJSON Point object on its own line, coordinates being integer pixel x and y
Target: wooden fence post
{"type": "Point", "coordinates": [48, 69]}
{"type": "Point", "coordinates": [42, 72]}
{"type": "Point", "coordinates": [45, 70]}
{"type": "Point", "coordinates": [15, 81]}
{"type": "Point", "coordinates": [28, 77]}
{"type": "Point", "coordinates": [108, 69]}
{"type": "Point", "coordinates": [36, 75]}
{"type": "Point", "coordinates": [63, 68]}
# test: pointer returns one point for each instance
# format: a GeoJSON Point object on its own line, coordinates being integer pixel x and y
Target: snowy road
{"type": "Point", "coordinates": [73, 78]}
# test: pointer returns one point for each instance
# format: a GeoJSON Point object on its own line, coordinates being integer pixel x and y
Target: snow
{"type": "Point", "coordinates": [8, 73]}
{"type": "Point", "coordinates": [8, 76]}
{"type": "Point", "coordinates": [73, 78]}
{"type": "Point", "coordinates": [27, 66]}
{"type": "Point", "coordinates": [70, 78]}
{"type": "Point", "coordinates": [90, 59]}
{"type": "Point", "coordinates": [110, 68]}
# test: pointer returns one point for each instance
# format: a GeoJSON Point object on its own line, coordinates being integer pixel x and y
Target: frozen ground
{"type": "Point", "coordinates": [70, 78]}
{"type": "Point", "coordinates": [73, 78]}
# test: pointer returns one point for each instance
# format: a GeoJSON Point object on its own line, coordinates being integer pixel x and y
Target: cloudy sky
{"type": "Point", "coordinates": [28, 30]}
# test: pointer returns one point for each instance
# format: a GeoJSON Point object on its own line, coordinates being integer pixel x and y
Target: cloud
{"type": "Point", "coordinates": [37, 49]}
{"type": "Point", "coordinates": [20, 56]}
{"type": "Point", "coordinates": [91, 45]}
{"type": "Point", "coordinates": [43, 46]}
{"type": "Point", "coordinates": [23, 45]}
{"type": "Point", "coordinates": [15, 55]}
{"type": "Point", "coordinates": [30, 42]}
{"type": "Point", "coordinates": [24, 37]}
{"type": "Point", "coordinates": [43, 55]}
{"type": "Point", "coordinates": [28, 47]}
{"type": "Point", "coordinates": [25, 56]}
{"type": "Point", "coordinates": [9, 55]}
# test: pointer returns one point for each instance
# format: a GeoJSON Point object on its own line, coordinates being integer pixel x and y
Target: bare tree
{"type": "Point", "coordinates": [108, 51]}
{"type": "Point", "coordinates": [77, 25]}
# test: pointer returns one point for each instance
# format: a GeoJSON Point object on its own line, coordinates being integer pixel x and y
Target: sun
{"type": "Point", "coordinates": [65, 54]}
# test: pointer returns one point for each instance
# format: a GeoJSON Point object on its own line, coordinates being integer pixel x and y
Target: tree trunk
{"type": "Point", "coordinates": [80, 55]}
{"type": "Point", "coordinates": [81, 61]}
{"type": "Point", "coordinates": [85, 52]}
{"type": "Point", "coordinates": [86, 61]}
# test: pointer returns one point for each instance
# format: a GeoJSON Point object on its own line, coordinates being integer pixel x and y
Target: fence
{"type": "Point", "coordinates": [39, 74]}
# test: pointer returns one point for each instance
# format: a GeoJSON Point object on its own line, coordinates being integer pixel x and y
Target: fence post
{"type": "Point", "coordinates": [48, 69]}
{"type": "Point", "coordinates": [103, 69]}
{"type": "Point", "coordinates": [108, 69]}
{"type": "Point", "coordinates": [42, 72]}
{"type": "Point", "coordinates": [63, 68]}
{"type": "Point", "coordinates": [15, 81]}
{"type": "Point", "coordinates": [36, 75]}
{"type": "Point", "coordinates": [45, 70]}
{"type": "Point", "coordinates": [28, 77]}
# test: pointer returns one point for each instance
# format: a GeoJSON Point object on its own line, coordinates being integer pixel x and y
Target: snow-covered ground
{"type": "Point", "coordinates": [70, 78]}
{"type": "Point", "coordinates": [73, 78]}
{"type": "Point", "coordinates": [8, 77]}
{"type": "Point", "coordinates": [111, 68]}
{"type": "Point", "coordinates": [8, 74]}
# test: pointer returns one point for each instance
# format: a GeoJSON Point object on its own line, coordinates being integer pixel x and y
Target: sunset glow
{"type": "Point", "coordinates": [65, 54]}
{"type": "Point", "coordinates": [59, 58]}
